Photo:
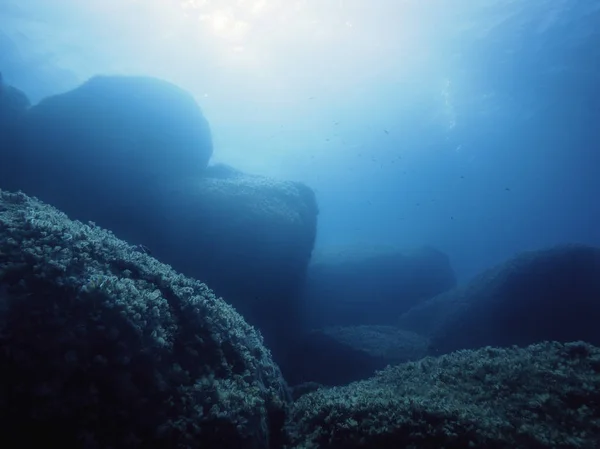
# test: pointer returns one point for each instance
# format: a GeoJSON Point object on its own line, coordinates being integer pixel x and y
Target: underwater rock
{"type": "Point", "coordinates": [544, 396]}
{"type": "Point", "coordinates": [13, 105]}
{"type": "Point", "coordinates": [354, 286]}
{"type": "Point", "coordinates": [103, 346]}
{"type": "Point", "coordinates": [112, 133]}
{"type": "Point", "coordinates": [340, 355]}
{"type": "Point", "coordinates": [130, 154]}
{"type": "Point", "coordinates": [249, 237]}
{"type": "Point", "coordinates": [551, 294]}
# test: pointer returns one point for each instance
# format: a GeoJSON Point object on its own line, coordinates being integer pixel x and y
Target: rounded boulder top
{"type": "Point", "coordinates": [137, 126]}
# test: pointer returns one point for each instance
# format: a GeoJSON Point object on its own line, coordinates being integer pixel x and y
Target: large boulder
{"type": "Point", "coordinates": [357, 285]}
{"type": "Point", "coordinates": [107, 135]}
{"type": "Point", "coordinates": [545, 396]}
{"type": "Point", "coordinates": [103, 346]}
{"type": "Point", "coordinates": [130, 154]}
{"type": "Point", "coordinates": [551, 294]}
{"type": "Point", "coordinates": [249, 237]}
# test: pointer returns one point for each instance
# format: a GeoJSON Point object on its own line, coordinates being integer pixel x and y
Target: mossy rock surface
{"type": "Point", "coordinates": [103, 346]}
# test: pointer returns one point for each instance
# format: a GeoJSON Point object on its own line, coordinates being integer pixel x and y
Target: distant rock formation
{"type": "Point", "coordinates": [551, 294]}
{"type": "Point", "coordinates": [114, 132]}
{"type": "Point", "coordinates": [103, 346]}
{"type": "Point", "coordinates": [354, 286]}
{"type": "Point", "coordinates": [13, 105]}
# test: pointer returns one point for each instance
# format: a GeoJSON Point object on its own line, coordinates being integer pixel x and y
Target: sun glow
{"type": "Point", "coordinates": [232, 20]}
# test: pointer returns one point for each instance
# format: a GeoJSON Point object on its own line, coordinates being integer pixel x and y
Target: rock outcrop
{"type": "Point", "coordinates": [551, 294]}
{"type": "Point", "coordinates": [130, 154]}
{"type": "Point", "coordinates": [544, 396]}
{"type": "Point", "coordinates": [103, 346]}
{"type": "Point", "coordinates": [356, 286]}
{"type": "Point", "coordinates": [249, 237]}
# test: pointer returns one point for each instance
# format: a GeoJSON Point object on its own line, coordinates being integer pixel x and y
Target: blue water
{"type": "Point", "coordinates": [468, 126]}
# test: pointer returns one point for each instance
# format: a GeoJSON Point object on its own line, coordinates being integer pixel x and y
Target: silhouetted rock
{"type": "Point", "coordinates": [109, 135]}
{"type": "Point", "coordinates": [351, 287]}
{"type": "Point", "coordinates": [552, 294]}
{"type": "Point", "coordinates": [103, 346]}
{"type": "Point", "coordinates": [249, 237]}
{"type": "Point", "coordinates": [13, 105]}
{"type": "Point", "coordinates": [545, 396]}
{"type": "Point", "coordinates": [130, 154]}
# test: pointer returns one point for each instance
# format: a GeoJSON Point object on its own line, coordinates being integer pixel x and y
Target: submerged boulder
{"type": "Point", "coordinates": [551, 294]}
{"type": "Point", "coordinates": [545, 396]}
{"type": "Point", "coordinates": [13, 105]}
{"type": "Point", "coordinates": [374, 286]}
{"type": "Point", "coordinates": [249, 237]}
{"type": "Point", "coordinates": [103, 346]}
{"type": "Point", "coordinates": [130, 154]}
{"type": "Point", "coordinates": [107, 135]}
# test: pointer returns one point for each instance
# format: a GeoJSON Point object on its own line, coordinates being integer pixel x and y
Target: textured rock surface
{"type": "Point", "coordinates": [103, 346]}
{"type": "Point", "coordinates": [544, 396]}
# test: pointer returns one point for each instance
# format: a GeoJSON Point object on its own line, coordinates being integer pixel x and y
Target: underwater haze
{"type": "Point", "coordinates": [469, 126]}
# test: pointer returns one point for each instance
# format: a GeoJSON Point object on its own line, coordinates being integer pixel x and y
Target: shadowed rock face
{"type": "Point", "coordinates": [107, 135]}
{"type": "Point", "coordinates": [551, 294]}
{"type": "Point", "coordinates": [249, 237]}
{"type": "Point", "coordinates": [13, 105]}
{"type": "Point", "coordinates": [362, 286]}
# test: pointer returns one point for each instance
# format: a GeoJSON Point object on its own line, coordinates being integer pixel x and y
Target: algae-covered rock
{"type": "Point", "coordinates": [544, 396]}
{"type": "Point", "coordinates": [103, 346]}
